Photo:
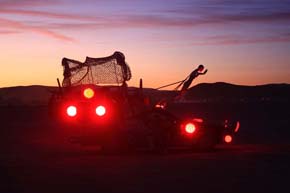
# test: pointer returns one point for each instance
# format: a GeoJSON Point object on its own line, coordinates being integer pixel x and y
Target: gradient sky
{"type": "Point", "coordinates": [240, 41]}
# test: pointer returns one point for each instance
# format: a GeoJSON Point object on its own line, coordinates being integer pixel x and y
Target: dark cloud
{"type": "Point", "coordinates": [45, 14]}
{"type": "Point", "coordinates": [8, 32]}
{"type": "Point", "coordinates": [18, 27]}
{"type": "Point", "coordinates": [188, 15]}
{"type": "Point", "coordinates": [27, 3]}
{"type": "Point", "coordinates": [22, 8]}
{"type": "Point", "coordinates": [238, 40]}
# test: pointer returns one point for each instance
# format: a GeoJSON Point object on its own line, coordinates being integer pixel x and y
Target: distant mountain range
{"type": "Point", "coordinates": [230, 92]}
{"type": "Point", "coordinates": [204, 92]}
{"type": "Point", "coordinates": [25, 95]}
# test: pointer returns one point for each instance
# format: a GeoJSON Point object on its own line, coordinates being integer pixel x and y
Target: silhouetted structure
{"type": "Point", "coordinates": [107, 70]}
{"type": "Point", "coordinates": [194, 74]}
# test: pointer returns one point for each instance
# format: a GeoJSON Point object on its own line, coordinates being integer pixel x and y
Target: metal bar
{"type": "Point", "coordinates": [169, 85]}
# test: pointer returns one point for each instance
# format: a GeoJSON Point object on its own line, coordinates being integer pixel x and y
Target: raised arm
{"type": "Point", "coordinates": [202, 73]}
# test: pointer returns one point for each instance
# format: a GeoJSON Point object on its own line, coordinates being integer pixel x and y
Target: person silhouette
{"type": "Point", "coordinates": [194, 74]}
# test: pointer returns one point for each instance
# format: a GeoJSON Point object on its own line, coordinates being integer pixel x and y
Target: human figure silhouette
{"type": "Point", "coordinates": [194, 74]}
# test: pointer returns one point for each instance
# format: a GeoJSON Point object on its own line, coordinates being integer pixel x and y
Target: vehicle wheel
{"type": "Point", "coordinates": [207, 141]}
{"type": "Point", "coordinates": [159, 124]}
{"type": "Point", "coordinates": [115, 144]}
{"type": "Point", "coordinates": [110, 149]}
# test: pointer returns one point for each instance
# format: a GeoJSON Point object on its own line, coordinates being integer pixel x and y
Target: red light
{"type": "Point", "coordinates": [100, 110]}
{"type": "Point", "coordinates": [228, 139]}
{"type": "Point", "coordinates": [198, 120]}
{"type": "Point", "coordinates": [161, 106]}
{"type": "Point", "coordinates": [71, 111]}
{"type": "Point", "coordinates": [89, 93]}
{"type": "Point", "coordinates": [190, 128]}
{"type": "Point", "coordinates": [237, 127]}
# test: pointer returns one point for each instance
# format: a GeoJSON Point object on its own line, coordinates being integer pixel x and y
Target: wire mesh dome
{"type": "Point", "coordinates": [111, 70]}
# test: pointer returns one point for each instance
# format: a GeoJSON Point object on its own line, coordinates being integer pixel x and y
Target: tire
{"type": "Point", "coordinates": [114, 148]}
{"type": "Point", "coordinates": [207, 141]}
{"type": "Point", "coordinates": [160, 124]}
{"type": "Point", "coordinates": [115, 143]}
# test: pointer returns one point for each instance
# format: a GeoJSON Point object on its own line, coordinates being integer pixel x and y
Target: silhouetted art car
{"type": "Point", "coordinates": [95, 106]}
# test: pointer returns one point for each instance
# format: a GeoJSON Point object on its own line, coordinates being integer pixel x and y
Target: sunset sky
{"type": "Point", "coordinates": [240, 41]}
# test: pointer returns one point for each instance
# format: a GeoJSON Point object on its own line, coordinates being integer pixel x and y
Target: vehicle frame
{"type": "Point", "coordinates": [130, 120]}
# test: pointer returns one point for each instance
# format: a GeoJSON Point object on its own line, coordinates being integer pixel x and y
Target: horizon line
{"type": "Point", "coordinates": [253, 85]}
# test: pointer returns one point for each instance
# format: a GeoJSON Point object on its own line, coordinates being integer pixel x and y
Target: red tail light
{"type": "Point", "coordinates": [161, 106]}
{"type": "Point", "coordinates": [71, 111]}
{"type": "Point", "coordinates": [237, 126]}
{"type": "Point", "coordinates": [100, 110]}
{"type": "Point", "coordinates": [190, 128]}
{"type": "Point", "coordinates": [198, 120]}
{"type": "Point", "coordinates": [89, 93]}
{"type": "Point", "coordinates": [228, 139]}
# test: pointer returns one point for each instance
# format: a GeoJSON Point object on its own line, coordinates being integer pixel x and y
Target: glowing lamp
{"type": "Point", "coordinates": [71, 111]}
{"type": "Point", "coordinates": [89, 93]}
{"type": "Point", "coordinates": [198, 120]}
{"type": "Point", "coordinates": [100, 110]}
{"type": "Point", "coordinates": [228, 139]}
{"type": "Point", "coordinates": [190, 128]}
{"type": "Point", "coordinates": [237, 127]}
{"type": "Point", "coordinates": [161, 106]}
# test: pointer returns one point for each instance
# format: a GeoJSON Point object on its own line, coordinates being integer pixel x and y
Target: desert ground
{"type": "Point", "coordinates": [36, 157]}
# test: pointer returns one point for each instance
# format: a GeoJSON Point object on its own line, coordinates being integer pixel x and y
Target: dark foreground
{"type": "Point", "coordinates": [35, 158]}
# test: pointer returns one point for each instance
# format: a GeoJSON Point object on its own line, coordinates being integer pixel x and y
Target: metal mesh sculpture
{"type": "Point", "coordinates": [111, 70]}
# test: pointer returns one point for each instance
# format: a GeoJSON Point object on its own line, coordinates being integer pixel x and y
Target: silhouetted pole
{"type": "Point", "coordinates": [59, 86]}
{"type": "Point", "coordinates": [141, 87]}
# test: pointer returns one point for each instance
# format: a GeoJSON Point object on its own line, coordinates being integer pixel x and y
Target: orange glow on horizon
{"type": "Point", "coordinates": [158, 49]}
